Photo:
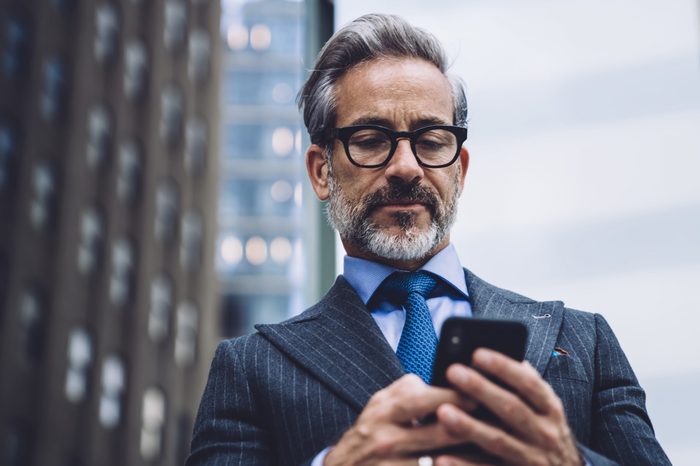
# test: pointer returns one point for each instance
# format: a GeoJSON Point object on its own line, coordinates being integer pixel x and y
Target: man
{"type": "Point", "coordinates": [329, 387]}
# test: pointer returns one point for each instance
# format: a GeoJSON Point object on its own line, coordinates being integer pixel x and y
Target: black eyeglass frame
{"type": "Point", "coordinates": [344, 135]}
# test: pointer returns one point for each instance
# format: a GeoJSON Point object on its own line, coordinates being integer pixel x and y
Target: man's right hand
{"type": "Point", "coordinates": [387, 430]}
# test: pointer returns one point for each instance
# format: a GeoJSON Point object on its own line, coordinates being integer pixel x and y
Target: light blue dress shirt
{"type": "Point", "coordinates": [365, 277]}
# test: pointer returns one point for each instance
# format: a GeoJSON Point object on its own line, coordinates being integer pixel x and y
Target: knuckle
{"type": "Point", "coordinates": [509, 407]}
{"type": "Point", "coordinates": [498, 442]}
{"type": "Point", "coordinates": [550, 437]}
{"type": "Point", "coordinates": [556, 407]}
{"type": "Point", "coordinates": [383, 443]}
{"type": "Point", "coordinates": [531, 383]}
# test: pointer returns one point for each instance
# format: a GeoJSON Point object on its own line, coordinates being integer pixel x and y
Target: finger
{"type": "Point", "coordinates": [521, 376]}
{"type": "Point", "coordinates": [507, 406]}
{"type": "Point", "coordinates": [402, 441]}
{"type": "Point", "coordinates": [490, 439]}
{"type": "Point", "coordinates": [471, 460]}
{"type": "Point", "coordinates": [410, 399]}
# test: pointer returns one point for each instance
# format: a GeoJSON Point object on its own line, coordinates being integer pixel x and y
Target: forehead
{"type": "Point", "coordinates": [402, 93]}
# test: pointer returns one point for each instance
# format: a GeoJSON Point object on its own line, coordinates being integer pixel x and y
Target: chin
{"type": "Point", "coordinates": [412, 244]}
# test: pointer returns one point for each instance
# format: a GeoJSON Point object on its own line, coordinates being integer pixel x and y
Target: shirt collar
{"type": "Point", "coordinates": [365, 276]}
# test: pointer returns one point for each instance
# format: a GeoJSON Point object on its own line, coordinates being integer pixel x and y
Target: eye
{"type": "Point", "coordinates": [369, 139]}
{"type": "Point", "coordinates": [435, 140]}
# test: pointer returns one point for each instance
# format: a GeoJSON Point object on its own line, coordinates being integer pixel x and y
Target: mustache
{"type": "Point", "coordinates": [399, 191]}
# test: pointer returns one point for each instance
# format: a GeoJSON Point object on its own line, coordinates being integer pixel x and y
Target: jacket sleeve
{"type": "Point", "coordinates": [228, 428]}
{"type": "Point", "coordinates": [621, 429]}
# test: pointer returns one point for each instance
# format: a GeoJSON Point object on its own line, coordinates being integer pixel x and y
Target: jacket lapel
{"type": "Point", "coordinates": [543, 319]}
{"type": "Point", "coordinates": [340, 344]}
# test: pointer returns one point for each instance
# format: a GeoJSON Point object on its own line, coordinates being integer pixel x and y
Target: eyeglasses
{"type": "Point", "coordinates": [372, 146]}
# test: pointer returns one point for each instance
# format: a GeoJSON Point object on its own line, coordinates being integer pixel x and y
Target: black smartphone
{"type": "Point", "coordinates": [459, 338]}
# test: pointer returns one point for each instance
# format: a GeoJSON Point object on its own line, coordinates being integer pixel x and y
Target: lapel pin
{"type": "Point", "coordinates": [559, 351]}
{"type": "Point", "coordinates": [543, 316]}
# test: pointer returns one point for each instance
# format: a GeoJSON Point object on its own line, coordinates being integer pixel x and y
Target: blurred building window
{"type": "Point", "coordinates": [15, 54]}
{"type": "Point", "coordinates": [152, 424]}
{"type": "Point", "coordinates": [186, 334]}
{"type": "Point", "coordinates": [256, 250]}
{"type": "Point", "coordinates": [32, 317]}
{"type": "Point", "coordinates": [135, 70]}
{"type": "Point", "coordinates": [129, 171]}
{"type": "Point", "coordinates": [191, 241]}
{"type": "Point", "coordinates": [171, 114]}
{"type": "Point", "coordinates": [106, 38]}
{"type": "Point", "coordinates": [260, 37]}
{"type": "Point", "coordinates": [17, 444]}
{"type": "Point", "coordinates": [281, 191]}
{"type": "Point", "coordinates": [64, 6]}
{"type": "Point", "coordinates": [199, 51]}
{"type": "Point", "coordinates": [280, 250]}
{"type": "Point", "coordinates": [167, 206]}
{"type": "Point", "coordinates": [92, 232]}
{"type": "Point", "coordinates": [272, 86]}
{"type": "Point", "coordinates": [121, 278]}
{"type": "Point", "coordinates": [231, 250]}
{"type": "Point", "coordinates": [112, 395]}
{"type": "Point", "coordinates": [43, 193]}
{"type": "Point", "coordinates": [53, 88]}
{"type": "Point", "coordinates": [99, 136]}
{"type": "Point", "coordinates": [80, 355]}
{"type": "Point", "coordinates": [282, 141]}
{"type": "Point", "coordinates": [195, 145]}
{"type": "Point", "coordinates": [282, 93]}
{"type": "Point", "coordinates": [8, 153]}
{"type": "Point", "coordinates": [160, 309]}
{"type": "Point", "coordinates": [237, 36]}
{"type": "Point", "coordinates": [175, 27]}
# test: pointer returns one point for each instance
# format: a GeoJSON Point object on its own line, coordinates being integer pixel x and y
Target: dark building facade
{"type": "Point", "coordinates": [108, 188]}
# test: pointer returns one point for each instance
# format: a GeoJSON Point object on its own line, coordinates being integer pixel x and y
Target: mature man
{"type": "Point", "coordinates": [387, 124]}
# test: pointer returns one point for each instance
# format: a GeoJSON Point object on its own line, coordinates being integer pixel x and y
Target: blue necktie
{"type": "Point", "coordinates": [416, 349]}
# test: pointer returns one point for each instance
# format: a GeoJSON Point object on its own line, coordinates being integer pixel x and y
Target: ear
{"type": "Point", "coordinates": [464, 165]}
{"type": "Point", "coordinates": [317, 169]}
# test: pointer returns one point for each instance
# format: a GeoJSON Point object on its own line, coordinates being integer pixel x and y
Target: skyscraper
{"type": "Point", "coordinates": [108, 191]}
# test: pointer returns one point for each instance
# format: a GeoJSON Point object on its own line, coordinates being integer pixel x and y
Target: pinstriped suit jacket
{"type": "Point", "coordinates": [283, 394]}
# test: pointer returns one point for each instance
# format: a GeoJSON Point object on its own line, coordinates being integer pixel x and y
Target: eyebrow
{"type": "Point", "coordinates": [421, 123]}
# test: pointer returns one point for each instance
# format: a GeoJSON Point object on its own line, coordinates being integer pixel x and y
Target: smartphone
{"type": "Point", "coordinates": [461, 336]}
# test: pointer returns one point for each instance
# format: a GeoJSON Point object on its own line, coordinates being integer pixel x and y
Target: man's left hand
{"type": "Point", "coordinates": [535, 430]}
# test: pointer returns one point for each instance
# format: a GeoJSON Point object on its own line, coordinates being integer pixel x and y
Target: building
{"type": "Point", "coordinates": [260, 258]}
{"type": "Point", "coordinates": [108, 194]}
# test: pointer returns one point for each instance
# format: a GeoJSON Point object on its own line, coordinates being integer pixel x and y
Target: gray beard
{"type": "Point", "coordinates": [353, 221]}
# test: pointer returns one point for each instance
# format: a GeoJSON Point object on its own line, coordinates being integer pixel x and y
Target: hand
{"type": "Point", "coordinates": [537, 432]}
{"type": "Point", "coordinates": [387, 432]}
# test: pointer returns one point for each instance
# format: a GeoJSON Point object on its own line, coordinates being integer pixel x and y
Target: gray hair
{"type": "Point", "coordinates": [367, 38]}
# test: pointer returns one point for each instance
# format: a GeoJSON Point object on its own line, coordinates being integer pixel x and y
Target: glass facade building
{"type": "Point", "coordinates": [260, 257]}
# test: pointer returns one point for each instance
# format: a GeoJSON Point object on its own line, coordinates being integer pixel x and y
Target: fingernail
{"type": "Point", "coordinates": [483, 357]}
{"type": "Point", "coordinates": [450, 415]}
{"type": "Point", "coordinates": [461, 374]}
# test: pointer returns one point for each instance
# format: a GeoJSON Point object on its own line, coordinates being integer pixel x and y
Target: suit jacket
{"type": "Point", "coordinates": [283, 394]}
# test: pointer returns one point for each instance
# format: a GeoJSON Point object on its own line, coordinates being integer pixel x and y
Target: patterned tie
{"type": "Point", "coordinates": [416, 349]}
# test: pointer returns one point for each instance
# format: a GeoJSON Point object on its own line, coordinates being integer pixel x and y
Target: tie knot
{"type": "Point", "coordinates": [399, 285]}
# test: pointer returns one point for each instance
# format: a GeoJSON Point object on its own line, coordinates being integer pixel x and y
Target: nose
{"type": "Point", "coordinates": [403, 164]}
